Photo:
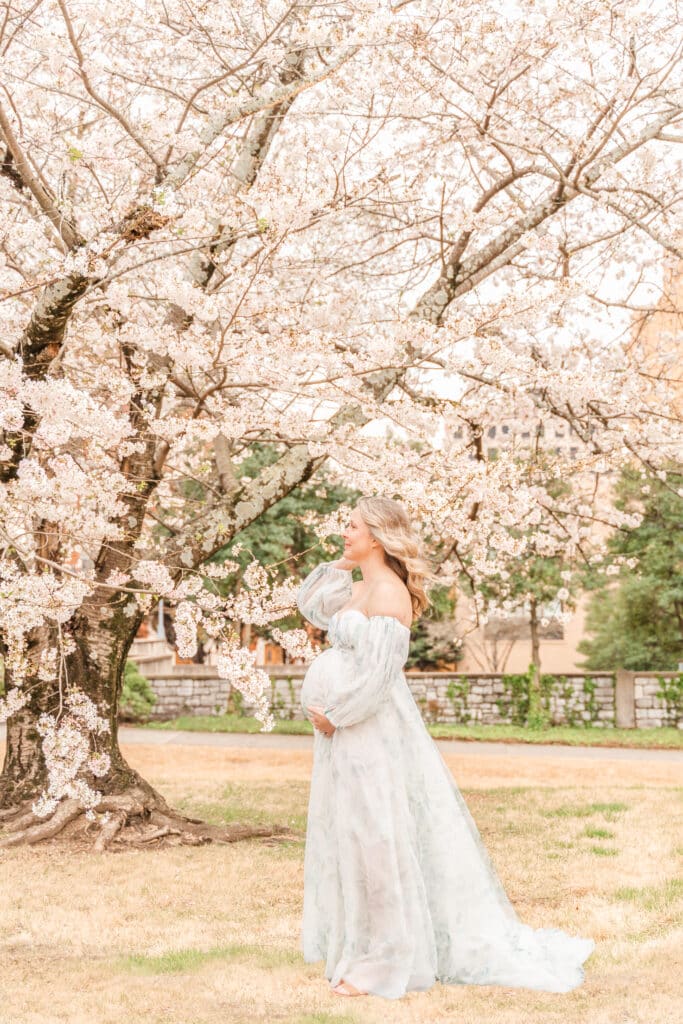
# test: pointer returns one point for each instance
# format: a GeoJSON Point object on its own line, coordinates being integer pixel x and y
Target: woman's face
{"type": "Point", "coordinates": [358, 541]}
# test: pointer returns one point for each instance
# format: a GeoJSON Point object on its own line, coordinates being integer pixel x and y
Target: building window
{"type": "Point", "coordinates": [492, 431]}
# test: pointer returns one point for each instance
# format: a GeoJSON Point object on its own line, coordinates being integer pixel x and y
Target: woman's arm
{"type": "Point", "coordinates": [323, 592]}
{"type": "Point", "coordinates": [380, 653]}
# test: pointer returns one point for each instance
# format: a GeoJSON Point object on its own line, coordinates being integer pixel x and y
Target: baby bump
{"type": "Point", "coordinates": [323, 677]}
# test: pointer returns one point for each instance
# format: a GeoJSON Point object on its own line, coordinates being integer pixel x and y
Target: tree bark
{"type": "Point", "coordinates": [96, 668]}
{"type": "Point", "coordinates": [536, 716]}
{"type": "Point", "coordinates": [135, 813]}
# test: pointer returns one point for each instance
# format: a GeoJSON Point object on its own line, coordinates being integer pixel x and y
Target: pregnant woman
{"type": "Point", "coordinates": [399, 890]}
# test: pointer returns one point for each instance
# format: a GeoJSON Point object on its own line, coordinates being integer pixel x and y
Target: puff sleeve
{"type": "Point", "coordinates": [379, 655]}
{"type": "Point", "coordinates": [323, 592]}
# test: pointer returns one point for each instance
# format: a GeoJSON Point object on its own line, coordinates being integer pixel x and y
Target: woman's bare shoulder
{"type": "Point", "coordinates": [391, 597]}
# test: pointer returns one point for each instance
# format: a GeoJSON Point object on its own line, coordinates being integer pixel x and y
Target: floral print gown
{"type": "Point", "coordinates": [399, 890]}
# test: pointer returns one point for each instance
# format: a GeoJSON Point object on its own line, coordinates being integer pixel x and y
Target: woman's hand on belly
{"type": "Point", "coordinates": [319, 720]}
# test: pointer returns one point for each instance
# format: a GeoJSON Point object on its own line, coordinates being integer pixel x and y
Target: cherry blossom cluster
{"type": "Point", "coordinates": [69, 758]}
{"type": "Point", "coordinates": [295, 642]}
{"type": "Point", "coordinates": [238, 664]}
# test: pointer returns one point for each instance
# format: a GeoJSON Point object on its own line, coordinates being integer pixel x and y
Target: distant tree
{"type": "Point", "coordinates": [635, 620]}
{"type": "Point", "coordinates": [284, 536]}
{"type": "Point", "coordinates": [434, 644]}
{"type": "Point", "coordinates": [530, 582]}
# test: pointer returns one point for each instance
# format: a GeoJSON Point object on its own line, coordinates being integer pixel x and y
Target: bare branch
{"type": "Point", "coordinates": [112, 111]}
{"type": "Point", "coordinates": [67, 234]}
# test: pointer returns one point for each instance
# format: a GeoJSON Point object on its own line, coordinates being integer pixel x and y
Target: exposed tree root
{"type": "Point", "coordinates": [6, 813]}
{"type": "Point", "coordinates": [21, 822]}
{"type": "Point", "coordinates": [134, 819]}
{"type": "Point", "coordinates": [21, 830]}
{"type": "Point", "coordinates": [109, 830]}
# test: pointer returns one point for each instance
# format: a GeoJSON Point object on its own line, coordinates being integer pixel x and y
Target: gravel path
{"type": "Point", "coordinates": [473, 748]}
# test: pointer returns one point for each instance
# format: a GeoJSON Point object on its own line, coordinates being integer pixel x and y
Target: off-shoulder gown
{"type": "Point", "coordinates": [399, 889]}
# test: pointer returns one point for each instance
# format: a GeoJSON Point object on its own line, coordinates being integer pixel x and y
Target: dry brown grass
{"type": "Point", "coordinates": [211, 934]}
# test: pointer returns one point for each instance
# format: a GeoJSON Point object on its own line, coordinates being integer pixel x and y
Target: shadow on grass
{"type": "Point", "coordinates": [253, 804]}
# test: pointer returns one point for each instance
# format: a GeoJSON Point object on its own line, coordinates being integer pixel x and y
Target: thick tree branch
{"type": "Point", "coordinates": [236, 112]}
{"type": "Point", "coordinates": [458, 277]}
{"type": "Point", "coordinates": [67, 234]}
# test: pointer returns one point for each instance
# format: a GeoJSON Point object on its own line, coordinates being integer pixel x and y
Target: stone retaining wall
{"type": "Point", "coordinates": [599, 699]}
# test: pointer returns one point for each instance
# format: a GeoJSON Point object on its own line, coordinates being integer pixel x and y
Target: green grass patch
{"type": "Point", "coordinates": [652, 897]}
{"type": "Point", "coordinates": [666, 738]}
{"type": "Point", "coordinates": [568, 811]}
{"type": "Point", "coordinates": [598, 833]}
{"type": "Point", "coordinates": [609, 810]}
{"type": "Point", "coordinates": [322, 1018]}
{"type": "Point", "coordinates": [604, 851]}
{"type": "Point", "coordinates": [230, 723]}
{"type": "Point", "coordinates": [178, 960]}
{"type": "Point", "coordinates": [516, 828]}
{"type": "Point", "coordinates": [503, 790]}
{"type": "Point", "coordinates": [626, 894]}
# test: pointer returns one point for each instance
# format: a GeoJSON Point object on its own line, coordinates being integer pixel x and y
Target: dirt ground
{"type": "Point", "coordinates": [202, 935]}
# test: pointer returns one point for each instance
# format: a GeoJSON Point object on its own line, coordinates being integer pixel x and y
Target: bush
{"type": "Point", "coordinates": [137, 696]}
{"type": "Point", "coordinates": [671, 692]}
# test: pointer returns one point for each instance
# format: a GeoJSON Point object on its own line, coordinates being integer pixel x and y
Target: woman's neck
{"type": "Point", "coordinates": [374, 568]}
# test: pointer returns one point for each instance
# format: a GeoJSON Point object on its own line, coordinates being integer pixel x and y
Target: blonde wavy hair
{"type": "Point", "coordinates": [390, 525]}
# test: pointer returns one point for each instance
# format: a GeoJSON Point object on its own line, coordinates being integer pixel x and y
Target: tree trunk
{"type": "Point", "coordinates": [131, 811]}
{"type": "Point", "coordinates": [96, 668]}
{"type": "Point", "coordinates": [536, 716]}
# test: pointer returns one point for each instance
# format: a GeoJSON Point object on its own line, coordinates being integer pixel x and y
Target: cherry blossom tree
{"type": "Point", "coordinates": [338, 230]}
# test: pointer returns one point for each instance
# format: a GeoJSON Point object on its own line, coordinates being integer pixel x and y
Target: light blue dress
{"type": "Point", "coordinates": [399, 890]}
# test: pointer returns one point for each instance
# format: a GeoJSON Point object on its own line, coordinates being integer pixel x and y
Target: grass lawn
{"type": "Point", "coordinates": [210, 934]}
{"type": "Point", "coordinates": [666, 738]}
